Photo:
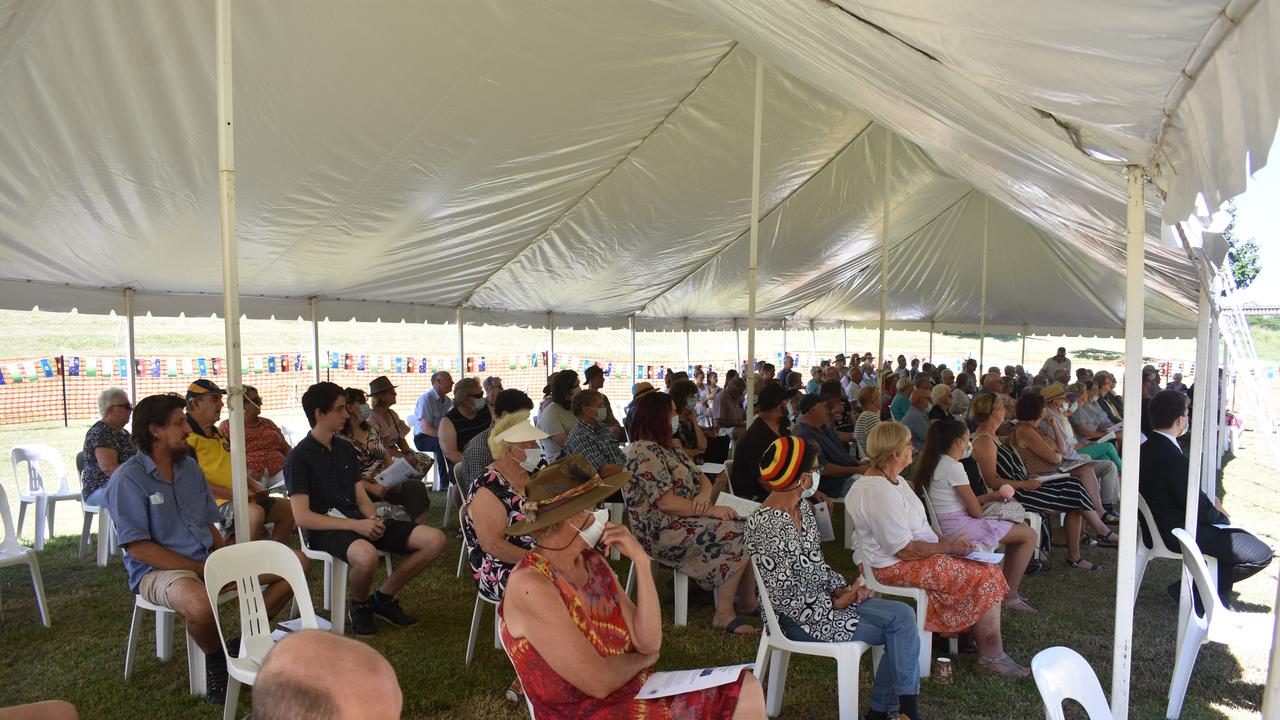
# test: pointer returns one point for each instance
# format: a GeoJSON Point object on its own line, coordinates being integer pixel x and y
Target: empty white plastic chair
{"type": "Point", "coordinates": [164, 644]}
{"type": "Point", "coordinates": [106, 533]}
{"type": "Point", "coordinates": [38, 490]}
{"type": "Point", "coordinates": [1217, 624]}
{"type": "Point", "coordinates": [1062, 674]}
{"type": "Point", "coordinates": [241, 564]}
{"type": "Point", "coordinates": [14, 553]}
{"type": "Point", "coordinates": [774, 654]}
{"type": "Point", "coordinates": [335, 582]}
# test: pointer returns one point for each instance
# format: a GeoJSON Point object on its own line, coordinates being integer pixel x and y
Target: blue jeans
{"type": "Point", "coordinates": [97, 497]}
{"type": "Point", "coordinates": [893, 625]}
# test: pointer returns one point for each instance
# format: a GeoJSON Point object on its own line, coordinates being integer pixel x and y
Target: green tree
{"type": "Point", "coordinates": [1242, 253]}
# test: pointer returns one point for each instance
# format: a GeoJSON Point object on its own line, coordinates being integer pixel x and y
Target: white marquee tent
{"type": "Point", "coordinates": [934, 165]}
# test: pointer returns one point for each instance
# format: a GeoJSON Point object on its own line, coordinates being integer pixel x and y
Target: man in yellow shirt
{"type": "Point", "coordinates": [212, 451]}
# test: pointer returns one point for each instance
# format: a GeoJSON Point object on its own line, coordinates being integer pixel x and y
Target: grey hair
{"type": "Point", "coordinates": [490, 381]}
{"type": "Point", "coordinates": [106, 396]}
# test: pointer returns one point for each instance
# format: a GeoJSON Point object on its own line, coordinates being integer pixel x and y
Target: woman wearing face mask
{"type": "Point", "coordinates": [411, 495]}
{"type": "Point", "coordinates": [669, 500]}
{"type": "Point", "coordinates": [814, 602]}
{"type": "Point", "coordinates": [689, 437]}
{"type": "Point", "coordinates": [895, 539]}
{"type": "Point", "coordinates": [468, 418]}
{"type": "Point", "coordinates": [940, 475]}
{"type": "Point", "coordinates": [556, 418]}
{"type": "Point", "coordinates": [582, 649]}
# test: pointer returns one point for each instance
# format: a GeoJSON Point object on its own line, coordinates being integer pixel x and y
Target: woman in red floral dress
{"type": "Point", "coordinates": [582, 649]}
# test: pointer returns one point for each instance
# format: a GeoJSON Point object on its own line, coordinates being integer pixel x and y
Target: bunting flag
{"type": "Point", "coordinates": [202, 366]}
{"type": "Point", "coordinates": [608, 370]}
{"type": "Point", "coordinates": [511, 362]}
{"type": "Point", "coordinates": [364, 363]}
{"type": "Point", "coordinates": [155, 367]}
{"type": "Point", "coordinates": [2, 380]}
{"type": "Point", "coordinates": [399, 364]}
{"type": "Point", "coordinates": [217, 366]}
{"type": "Point", "coordinates": [271, 363]}
{"type": "Point", "coordinates": [74, 367]}
{"type": "Point", "coordinates": [46, 367]}
{"type": "Point", "coordinates": [15, 374]}
{"type": "Point", "coordinates": [286, 362]}
{"type": "Point", "coordinates": [482, 364]}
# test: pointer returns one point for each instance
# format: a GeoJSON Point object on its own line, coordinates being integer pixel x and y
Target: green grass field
{"type": "Point", "coordinates": [81, 658]}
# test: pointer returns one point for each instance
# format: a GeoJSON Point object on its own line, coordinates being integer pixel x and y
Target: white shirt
{"type": "Point", "coordinates": [959, 402]}
{"type": "Point", "coordinates": [1053, 365]}
{"type": "Point", "coordinates": [885, 517]}
{"type": "Point", "coordinates": [949, 475]}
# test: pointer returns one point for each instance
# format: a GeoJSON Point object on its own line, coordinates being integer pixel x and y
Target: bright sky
{"type": "Point", "coordinates": [1259, 217]}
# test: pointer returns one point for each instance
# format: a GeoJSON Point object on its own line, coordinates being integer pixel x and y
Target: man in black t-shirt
{"type": "Point", "coordinates": [322, 474]}
{"type": "Point", "coordinates": [771, 423]}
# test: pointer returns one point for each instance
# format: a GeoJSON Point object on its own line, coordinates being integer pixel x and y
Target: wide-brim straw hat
{"type": "Point", "coordinates": [562, 490]}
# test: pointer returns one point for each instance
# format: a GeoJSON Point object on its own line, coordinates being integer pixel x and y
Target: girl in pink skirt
{"type": "Point", "coordinates": [940, 475]}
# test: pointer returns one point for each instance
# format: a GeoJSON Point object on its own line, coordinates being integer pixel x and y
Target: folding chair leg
{"type": "Point", "coordinates": [104, 537]}
{"type": "Point", "coordinates": [847, 686]}
{"type": "Point", "coordinates": [462, 556]}
{"type": "Point", "coordinates": [197, 683]}
{"type": "Point", "coordinates": [762, 655]}
{"type": "Point", "coordinates": [135, 625]}
{"type": "Point", "coordinates": [164, 635]}
{"type": "Point", "coordinates": [777, 682]}
{"type": "Point", "coordinates": [328, 584]}
{"type": "Point", "coordinates": [22, 515]}
{"type": "Point", "coordinates": [338, 616]}
{"type": "Point", "coordinates": [682, 598]}
{"type": "Point", "coordinates": [49, 526]}
{"type": "Point", "coordinates": [37, 583]}
{"type": "Point", "coordinates": [85, 530]}
{"type": "Point", "coordinates": [42, 521]}
{"type": "Point", "coordinates": [233, 699]}
{"type": "Point", "coordinates": [475, 630]}
{"type": "Point", "coordinates": [1188, 651]}
{"type": "Point", "coordinates": [497, 629]}
{"type": "Point", "coordinates": [926, 650]}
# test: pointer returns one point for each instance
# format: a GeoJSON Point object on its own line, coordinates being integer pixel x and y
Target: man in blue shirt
{"type": "Point", "coordinates": [836, 463]}
{"type": "Point", "coordinates": [164, 516]}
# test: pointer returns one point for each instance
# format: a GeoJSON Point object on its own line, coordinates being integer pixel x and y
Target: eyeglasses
{"type": "Point", "coordinates": [126, 406]}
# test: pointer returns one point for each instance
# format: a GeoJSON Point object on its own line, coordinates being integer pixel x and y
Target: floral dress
{"type": "Point", "coordinates": [706, 549]}
{"type": "Point", "coordinates": [796, 574]}
{"type": "Point", "coordinates": [489, 572]}
{"type": "Point", "coordinates": [594, 608]}
{"type": "Point", "coordinates": [372, 455]}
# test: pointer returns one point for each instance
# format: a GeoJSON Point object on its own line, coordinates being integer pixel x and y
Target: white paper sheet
{"type": "Point", "coordinates": [822, 513]}
{"type": "Point", "coordinates": [675, 682]}
{"type": "Point", "coordinates": [396, 475]}
{"type": "Point", "coordinates": [712, 468]}
{"type": "Point", "coordinates": [742, 506]}
{"type": "Point", "coordinates": [1052, 476]}
{"type": "Point", "coordinates": [993, 558]}
{"type": "Point", "coordinates": [1111, 435]}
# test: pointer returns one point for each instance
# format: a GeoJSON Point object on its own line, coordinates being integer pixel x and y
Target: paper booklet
{"type": "Point", "coordinates": [712, 468]}
{"type": "Point", "coordinates": [742, 506]}
{"type": "Point", "coordinates": [1069, 465]}
{"type": "Point", "coordinates": [822, 513]}
{"type": "Point", "coordinates": [1111, 435]}
{"type": "Point", "coordinates": [1051, 476]}
{"type": "Point", "coordinates": [665, 684]}
{"type": "Point", "coordinates": [396, 475]}
{"type": "Point", "coordinates": [993, 558]}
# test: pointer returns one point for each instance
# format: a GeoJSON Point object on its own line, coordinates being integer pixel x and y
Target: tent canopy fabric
{"type": "Point", "coordinates": [397, 160]}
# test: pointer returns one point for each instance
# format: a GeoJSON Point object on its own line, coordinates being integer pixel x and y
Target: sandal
{"type": "Point", "coordinates": [1002, 665]}
{"type": "Point", "coordinates": [1110, 540]}
{"type": "Point", "coordinates": [1086, 540]}
{"type": "Point", "coordinates": [515, 692]}
{"type": "Point", "coordinates": [1019, 604]}
{"type": "Point", "coordinates": [737, 624]}
{"type": "Point", "coordinates": [1111, 518]}
{"type": "Point", "coordinates": [1093, 567]}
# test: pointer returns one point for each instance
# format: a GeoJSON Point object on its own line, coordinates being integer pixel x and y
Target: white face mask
{"type": "Point", "coordinates": [928, 407]}
{"type": "Point", "coordinates": [592, 533]}
{"type": "Point", "coordinates": [478, 403]}
{"type": "Point", "coordinates": [601, 415]}
{"type": "Point", "coordinates": [675, 424]}
{"type": "Point", "coordinates": [691, 403]}
{"type": "Point", "coordinates": [811, 490]}
{"type": "Point", "coordinates": [365, 413]}
{"type": "Point", "coordinates": [968, 450]}
{"type": "Point", "coordinates": [532, 456]}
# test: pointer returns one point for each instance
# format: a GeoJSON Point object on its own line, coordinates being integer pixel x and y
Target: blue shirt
{"type": "Point", "coordinates": [830, 449]}
{"type": "Point", "coordinates": [430, 407]}
{"type": "Point", "coordinates": [918, 423]}
{"type": "Point", "coordinates": [176, 516]}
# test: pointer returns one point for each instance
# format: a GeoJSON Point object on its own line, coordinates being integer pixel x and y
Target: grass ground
{"type": "Point", "coordinates": [81, 657]}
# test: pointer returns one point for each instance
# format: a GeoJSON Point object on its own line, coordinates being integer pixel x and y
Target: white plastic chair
{"type": "Point", "coordinates": [14, 553]}
{"type": "Point", "coordinates": [1158, 549]}
{"type": "Point", "coordinates": [241, 564]}
{"type": "Point", "coordinates": [681, 615]}
{"type": "Point", "coordinates": [917, 595]}
{"type": "Point", "coordinates": [774, 654]}
{"type": "Point", "coordinates": [1062, 674]}
{"type": "Point", "coordinates": [38, 490]}
{"type": "Point", "coordinates": [478, 612]}
{"type": "Point", "coordinates": [457, 479]}
{"type": "Point", "coordinates": [335, 582]}
{"type": "Point", "coordinates": [1218, 624]}
{"type": "Point", "coordinates": [617, 511]}
{"type": "Point", "coordinates": [452, 493]}
{"type": "Point", "coordinates": [106, 533]}
{"type": "Point", "coordinates": [164, 644]}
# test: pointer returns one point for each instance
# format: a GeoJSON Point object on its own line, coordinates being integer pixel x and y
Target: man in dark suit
{"type": "Point", "coordinates": [1162, 480]}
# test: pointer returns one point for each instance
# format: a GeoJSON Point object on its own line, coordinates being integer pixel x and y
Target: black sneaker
{"type": "Point", "coordinates": [362, 619]}
{"type": "Point", "coordinates": [388, 608]}
{"type": "Point", "coordinates": [215, 678]}
{"type": "Point", "coordinates": [233, 647]}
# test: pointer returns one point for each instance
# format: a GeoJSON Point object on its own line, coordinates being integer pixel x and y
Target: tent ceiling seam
{"type": "Point", "coordinates": [702, 266]}
{"type": "Point", "coordinates": [560, 218]}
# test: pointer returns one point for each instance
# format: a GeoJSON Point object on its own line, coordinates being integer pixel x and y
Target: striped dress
{"type": "Point", "coordinates": [1053, 496]}
{"type": "Point", "coordinates": [867, 420]}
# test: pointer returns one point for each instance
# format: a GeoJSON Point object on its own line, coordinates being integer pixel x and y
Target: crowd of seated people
{"type": "Point", "coordinates": [836, 437]}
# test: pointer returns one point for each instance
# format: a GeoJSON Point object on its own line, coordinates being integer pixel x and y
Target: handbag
{"type": "Point", "coordinates": [1000, 510]}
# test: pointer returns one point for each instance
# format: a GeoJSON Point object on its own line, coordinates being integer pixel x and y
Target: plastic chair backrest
{"type": "Point", "coordinates": [33, 455]}
{"type": "Point", "coordinates": [770, 617]}
{"type": "Point", "coordinates": [933, 516]}
{"type": "Point", "coordinates": [1061, 674]}
{"type": "Point", "coordinates": [457, 475]}
{"type": "Point", "coordinates": [1195, 564]}
{"type": "Point", "coordinates": [241, 564]}
{"type": "Point", "coordinates": [1150, 534]}
{"type": "Point", "coordinates": [9, 542]}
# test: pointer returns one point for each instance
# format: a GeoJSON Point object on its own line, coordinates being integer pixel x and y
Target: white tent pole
{"type": "Point", "coordinates": [982, 321]}
{"type": "Point", "coordinates": [1221, 405]}
{"type": "Point", "coordinates": [315, 338]}
{"type": "Point", "coordinates": [737, 346]}
{"type": "Point", "coordinates": [1195, 458]}
{"type": "Point", "coordinates": [1024, 346]}
{"type": "Point", "coordinates": [1208, 389]}
{"type": "Point", "coordinates": [844, 331]}
{"type": "Point", "coordinates": [784, 336]}
{"type": "Point", "coordinates": [129, 348]}
{"type": "Point", "coordinates": [884, 247]}
{"type": "Point", "coordinates": [688, 356]}
{"type": "Point", "coordinates": [635, 374]}
{"type": "Point", "coordinates": [230, 263]}
{"type": "Point", "coordinates": [552, 365]}
{"type": "Point", "coordinates": [757, 132]}
{"type": "Point", "coordinates": [813, 342]}
{"type": "Point", "coordinates": [1271, 695]}
{"type": "Point", "coordinates": [1126, 560]}
{"type": "Point", "coordinates": [930, 341]}
{"type": "Point", "coordinates": [462, 347]}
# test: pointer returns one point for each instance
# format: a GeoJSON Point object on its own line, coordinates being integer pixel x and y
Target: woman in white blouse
{"type": "Point", "coordinates": [895, 539]}
{"type": "Point", "coordinates": [959, 511]}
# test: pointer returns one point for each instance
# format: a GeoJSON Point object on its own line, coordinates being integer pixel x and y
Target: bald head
{"type": "Point", "coordinates": [289, 687]}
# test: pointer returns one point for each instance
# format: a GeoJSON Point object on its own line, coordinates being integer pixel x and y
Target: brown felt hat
{"type": "Point", "coordinates": [562, 490]}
